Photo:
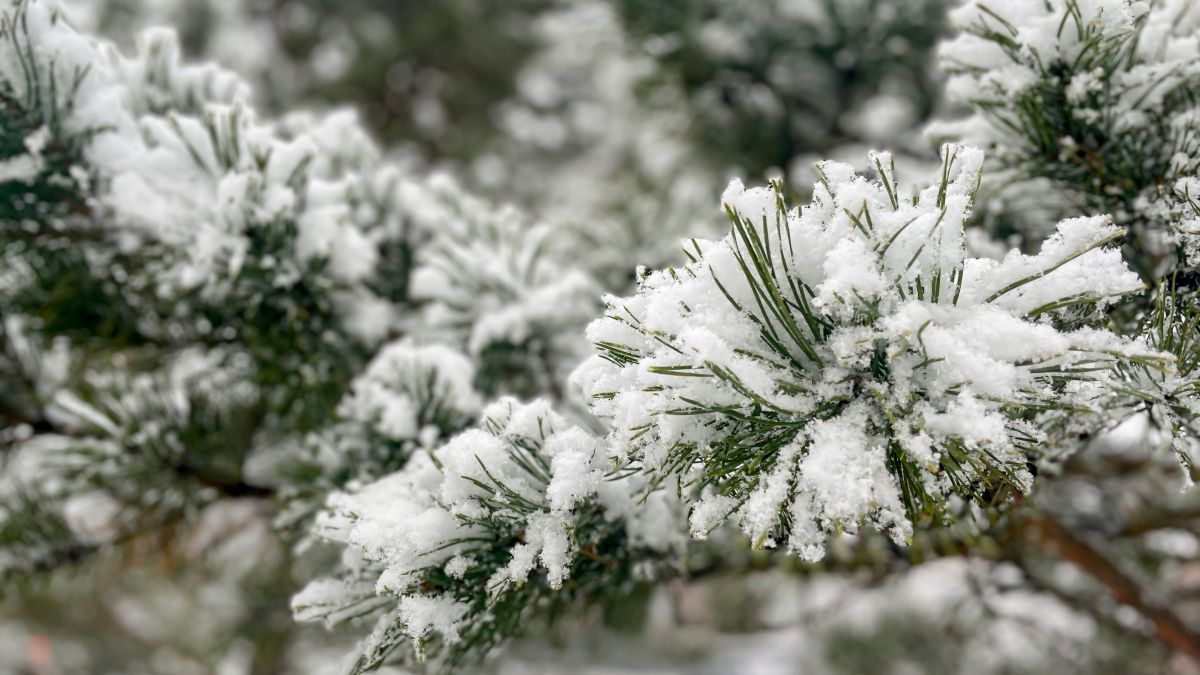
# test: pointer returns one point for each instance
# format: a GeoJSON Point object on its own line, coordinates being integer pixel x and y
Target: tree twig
{"type": "Point", "coordinates": [1040, 529]}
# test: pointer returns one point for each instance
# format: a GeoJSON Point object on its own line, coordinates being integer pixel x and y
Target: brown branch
{"type": "Point", "coordinates": [68, 234]}
{"type": "Point", "coordinates": [233, 489]}
{"type": "Point", "coordinates": [1161, 518]}
{"type": "Point", "coordinates": [1039, 529]}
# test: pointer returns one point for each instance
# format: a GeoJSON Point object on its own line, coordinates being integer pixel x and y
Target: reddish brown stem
{"type": "Point", "coordinates": [1040, 529]}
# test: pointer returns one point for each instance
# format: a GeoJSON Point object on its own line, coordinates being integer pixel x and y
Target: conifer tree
{"type": "Point", "coordinates": [449, 438]}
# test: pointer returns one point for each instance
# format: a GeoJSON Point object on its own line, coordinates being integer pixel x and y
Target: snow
{"type": "Point", "coordinates": [842, 481]}
{"type": "Point", "coordinates": [422, 615]}
{"type": "Point", "coordinates": [959, 360]}
{"type": "Point", "coordinates": [432, 512]}
{"type": "Point", "coordinates": [25, 168]}
{"type": "Point", "coordinates": [182, 160]}
{"type": "Point", "coordinates": [864, 358]}
{"type": "Point", "coordinates": [576, 468]}
{"type": "Point", "coordinates": [491, 278]}
{"type": "Point", "coordinates": [708, 513]}
{"type": "Point", "coordinates": [405, 380]}
{"type": "Point", "coordinates": [1065, 47]}
{"type": "Point", "coordinates": [1078, 267]}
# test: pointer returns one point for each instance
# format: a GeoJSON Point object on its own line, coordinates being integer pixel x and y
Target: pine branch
{"type": "Point", "coordinates": [1037, 528]}
{"type": "Point", "coordinates": [1161, 518]}
{"type": "Point", "coordinates": [855, 359]}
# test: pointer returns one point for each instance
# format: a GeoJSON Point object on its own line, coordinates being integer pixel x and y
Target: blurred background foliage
{"type": "Point", "coordinates": [773, 83]}
{"type": "Point", "coordinates": [509, 98]}
{"type": "Point", "coordinates": [767, 84]}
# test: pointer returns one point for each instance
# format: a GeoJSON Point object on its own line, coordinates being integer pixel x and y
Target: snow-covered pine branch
{"type": "Point", "coordinates": [476, 537]}
{"type": "Point", "coordinates": [815, 371]}
{"type": "Point", "coordinates": [410, 396]}
{"type": "Point", "coordinates": [155, 225]}
{"type": "Point", "coordinates": [1098, 100]}
{"type": "Point", "coordinates": [845, 363]}
{"type": "Point", "coordinates": [1096, 97]}
{"type": "Point", "coordinates": [202, 305]}
{"type": "Point", "coordinates": [502, 289]}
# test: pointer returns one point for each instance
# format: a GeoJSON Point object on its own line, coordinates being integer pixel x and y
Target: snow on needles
{"type": "Point", "coordinates": [467, 534]}
{"type": "Point", "coordinates": [845, 363]}
{"type": "Point", "coordinates": [407, 387]}
{"type": "Point", "coordinates": [495, 284]}
{"type": "Point", "coordinates": [1055, 84]}
{"type": "Point", "coordinates": [173, 155]}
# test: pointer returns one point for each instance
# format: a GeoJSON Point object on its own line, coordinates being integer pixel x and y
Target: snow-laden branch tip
{"type": "Point", "coordinates": [846, 363]}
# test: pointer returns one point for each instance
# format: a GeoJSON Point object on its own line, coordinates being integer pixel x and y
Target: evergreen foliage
{"type": "Point", "coordinates": [754, 73]}
{"type": "Point", "coordinates": [827, 366]}
{"type": "Point", "coordinates": [210, 314]}
{"type": "Point", "coordinates": [1097, 98]}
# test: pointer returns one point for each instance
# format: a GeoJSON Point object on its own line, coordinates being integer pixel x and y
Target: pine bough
{"type": "Point", "coordinates": [189, 290]}
{"type": "Point", "coordinates": [818, 370]}
{"type": "Point", "coordinates": [1096, 97]}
